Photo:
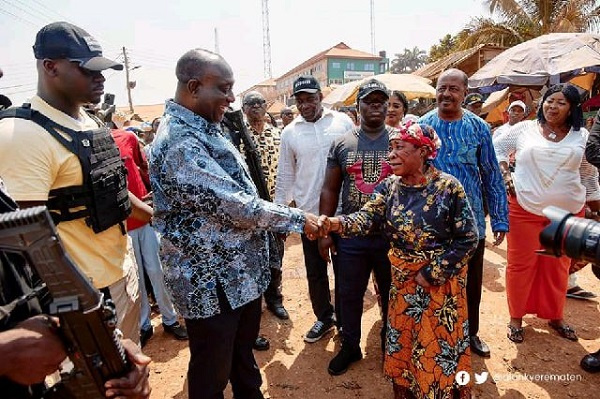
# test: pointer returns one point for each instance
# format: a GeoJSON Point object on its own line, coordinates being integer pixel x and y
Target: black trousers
{"type": "Point", "coordinates": [221, 351]}
{"type": "Point", "coordinates": [273, 294]}
{"type": "Point", "coordinates": [357, 257]}
{"type": "Point", "coordinates": [318, 282]}
{"type": "Point", "coordinates": [474, 283]}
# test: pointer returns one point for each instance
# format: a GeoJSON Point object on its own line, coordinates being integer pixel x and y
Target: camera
{"type": "Point", "coordinates": [575, 237]}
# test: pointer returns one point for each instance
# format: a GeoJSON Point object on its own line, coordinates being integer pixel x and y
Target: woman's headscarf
{"type": "Point", "coordinates": [419, 135]}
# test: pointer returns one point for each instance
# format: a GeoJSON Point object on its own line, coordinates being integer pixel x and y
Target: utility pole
{"type": "Point", "coordinates": [217, 41]}
{"type": "Point", "coordinates": [128, 83]}
{"type": "Point", "coordinates": [266, 40]}
{"type": "Point", "coordinates": [372, 26]}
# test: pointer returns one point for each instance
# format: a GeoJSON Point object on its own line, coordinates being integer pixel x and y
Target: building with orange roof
{"type": "Point", "coordinates": [335, 66]}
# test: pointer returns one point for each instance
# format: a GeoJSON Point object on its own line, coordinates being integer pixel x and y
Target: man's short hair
{"type": "Point", "coordinates": [192, 64]}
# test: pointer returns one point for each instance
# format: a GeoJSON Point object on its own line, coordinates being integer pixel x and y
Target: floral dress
{"type": "Point", "coordinates": [431, 227]}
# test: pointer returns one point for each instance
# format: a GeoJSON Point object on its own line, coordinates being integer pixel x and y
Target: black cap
{"type": "Point", "coordinates": [306, 83]}
{"type": "Point", "coordinates": [371, 86]}
{"type": "Point", "coordinates": [62, 40]}
{"type": "Point", "coordinates": [473, 98]}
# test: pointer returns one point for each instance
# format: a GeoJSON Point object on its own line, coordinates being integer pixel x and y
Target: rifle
{"type": "Point", "coordinates": [234, 120]}
{"type": "Point", "coordinates": [87, 321]}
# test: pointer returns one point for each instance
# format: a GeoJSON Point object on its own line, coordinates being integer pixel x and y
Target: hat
{"type": "Point", "coordinates": [473, 98]}
{"type": "Point", "coordinates": [517, 103]}
{"type": "Point", "coordinates": [252, 97]}
{"type": "Point", "coordinates": [307, 84]}
{"type": "Point", "coordinates": [62, 40]}
{"type": "Point", "coordinates": [371, 86]}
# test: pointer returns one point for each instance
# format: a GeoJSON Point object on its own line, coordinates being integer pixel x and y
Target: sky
{"type": "Point", "coordinates": [156, 33]}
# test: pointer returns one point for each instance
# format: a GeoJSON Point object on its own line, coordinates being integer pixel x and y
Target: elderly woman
{"type": "Point", "coordinates": [432, 231]}
{"type": "Point", "coordinates": [550, 170]}
{"type": "Point", "coordinates": [397, 108]}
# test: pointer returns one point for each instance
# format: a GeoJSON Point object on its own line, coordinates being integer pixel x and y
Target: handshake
{"type": "Point", "coordinates": [320, 226]}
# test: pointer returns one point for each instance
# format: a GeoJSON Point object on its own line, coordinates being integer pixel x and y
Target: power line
{"type": "Point", "coordinates": [17, 17]}
{"type": "Point", "coordinates": [15, 86]}
{"type": "Point", "coordinates": [44, 18]}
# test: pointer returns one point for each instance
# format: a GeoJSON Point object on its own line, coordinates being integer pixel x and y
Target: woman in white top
{"type": "Point", "coordinates": [550, 170]}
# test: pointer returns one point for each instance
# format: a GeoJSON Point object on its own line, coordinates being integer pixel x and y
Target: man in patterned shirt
{"type": "Point", "coordinates": [266, 140]}
{"type": "Point", "coordinates": [214, 227]}
{"type": "Point", "coordinates": [467, 154]}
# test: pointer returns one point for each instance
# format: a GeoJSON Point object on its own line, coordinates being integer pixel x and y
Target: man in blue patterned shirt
{"type": "Point", "coordinates": [214, 229]}
{"type": "Point", "coordinates": [468, 154]}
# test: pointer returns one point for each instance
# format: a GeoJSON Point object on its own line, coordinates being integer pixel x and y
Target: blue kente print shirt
{"type": "Point", "coordinates": [213, 224]}
{"type": "Point", "coordinates": [467, 153]}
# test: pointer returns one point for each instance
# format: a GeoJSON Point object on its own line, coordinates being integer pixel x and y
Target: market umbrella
{"type": "Point", "coordinates": [541, 60]}
{"type": "Point", "coordinates": [412, 86]}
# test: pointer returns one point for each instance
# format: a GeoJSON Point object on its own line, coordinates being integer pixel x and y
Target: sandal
{"type": "Point", "coordinates": [579, 293]}
{"type": "Point", "coordinates": [564, 331]}
{"type": "Point", "coordinates": [515, 334]}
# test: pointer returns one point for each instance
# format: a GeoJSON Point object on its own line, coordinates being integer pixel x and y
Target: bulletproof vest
{"type": "Point", "coordinates": [103, 198]}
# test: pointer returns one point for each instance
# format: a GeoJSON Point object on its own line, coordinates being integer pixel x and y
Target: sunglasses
{"type": "Point", "coordinates": [287, 114]}
{"type": "Point", "coordinates": [252, 103]}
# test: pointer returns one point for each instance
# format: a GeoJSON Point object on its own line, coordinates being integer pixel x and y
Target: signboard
{"type": "Point", "coordinates": [351, 76]}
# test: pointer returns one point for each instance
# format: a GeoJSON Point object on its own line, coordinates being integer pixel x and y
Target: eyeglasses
{"type": "Point", "coordinates": [253, 103]}
{"type": "Point", "coordinates": [287, 114]}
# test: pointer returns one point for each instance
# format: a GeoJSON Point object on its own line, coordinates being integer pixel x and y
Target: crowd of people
{"type": "Point", "coordinates": [196, 210]}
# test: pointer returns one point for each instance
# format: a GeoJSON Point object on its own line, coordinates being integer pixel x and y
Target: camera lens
{"type": "Point", "coordinates": [578, 238]}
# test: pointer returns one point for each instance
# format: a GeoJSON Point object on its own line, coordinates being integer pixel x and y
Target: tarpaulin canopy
{"type": "Point", "coordinates": [412, 86]}
{"type": "Point", "coordinates": [540, 61]}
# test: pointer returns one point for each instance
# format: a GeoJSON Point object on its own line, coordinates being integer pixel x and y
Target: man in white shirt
{"type": "Point", "coordinates": [305, 143]}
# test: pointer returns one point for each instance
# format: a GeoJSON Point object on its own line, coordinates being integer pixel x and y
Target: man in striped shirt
{"type": "Point", "coordinates": [468, 154]}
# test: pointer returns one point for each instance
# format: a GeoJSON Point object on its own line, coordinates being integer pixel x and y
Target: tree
{"type": "Point", "coordinates": [446, 46]}
{"type": "Point", "coordinates": [516, 21]}
{"type": "Point", "coordinates": [409, 61]}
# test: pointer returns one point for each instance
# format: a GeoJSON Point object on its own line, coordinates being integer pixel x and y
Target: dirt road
{"type": "Point", "coordinates": [544, 366]}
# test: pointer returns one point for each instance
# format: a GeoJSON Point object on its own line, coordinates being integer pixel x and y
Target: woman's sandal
{"type": "Point", "coordinates": [515, 334]}
{"type": "Point", "coordinates": [564, 331]}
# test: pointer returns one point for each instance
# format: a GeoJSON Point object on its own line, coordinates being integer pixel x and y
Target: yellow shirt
{"type": "Point", "coordinates": [32, 163]}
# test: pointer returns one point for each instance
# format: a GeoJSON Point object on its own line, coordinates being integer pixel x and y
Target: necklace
{"type": "Point", "coordinates": [552, 136]}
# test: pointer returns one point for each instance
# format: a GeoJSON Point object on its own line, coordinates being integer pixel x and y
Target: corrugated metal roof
{"type": "Point", "coordinates": [434, 69]}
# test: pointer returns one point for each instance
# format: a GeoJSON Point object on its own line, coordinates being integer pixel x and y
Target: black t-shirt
{"type": "Point", "coordinates": [363, 161]}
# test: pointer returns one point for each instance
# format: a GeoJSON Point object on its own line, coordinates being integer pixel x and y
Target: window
{"type": "Point", "coordinates": [350, 66]}
{"type": "Point", "coordinates": [335, 65]}
{"type": "Point", "coordinates": [369, 67]}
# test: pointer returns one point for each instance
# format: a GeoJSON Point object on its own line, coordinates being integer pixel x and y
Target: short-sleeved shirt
{"type": "Point", "coordinates": [32, 163]}
{"type": "Point", "coordinates": [364, 165]}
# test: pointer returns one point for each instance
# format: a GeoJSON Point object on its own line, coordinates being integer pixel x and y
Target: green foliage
{"type": "Point", "coordinates": [516, 21]}
{"type": "Point", "coordinates": [408, 61]}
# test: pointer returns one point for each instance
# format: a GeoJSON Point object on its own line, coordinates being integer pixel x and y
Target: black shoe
{"type": "Point", "coordinates": [591, 362]}
{"type": "Point", "coordinates": [279, 311]}
{"type": "Point", "coordinates": [347, 355]}
{"type": "Point", "coordinates": [145, 335]}
{"type": "Point", "coordinates": [176, 330]}
{"type": "Point", "coordinates": [479, 347]}
{"type": "Point", "coordinates": [318, 330]}
{"type": "Point", "coordinates": [261, 344]}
